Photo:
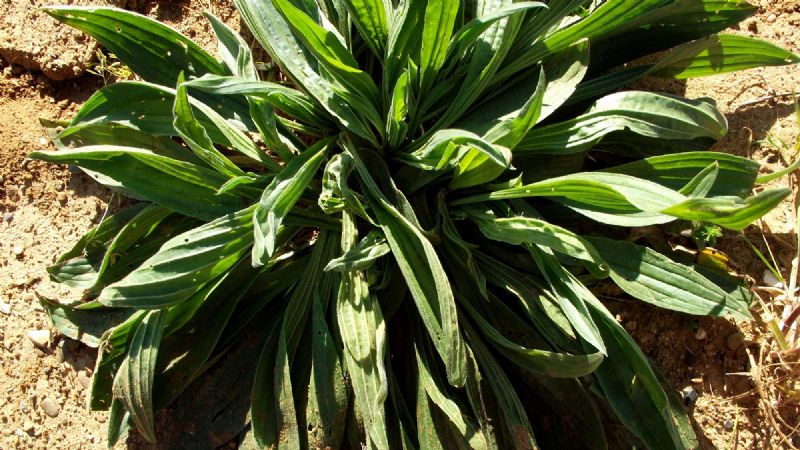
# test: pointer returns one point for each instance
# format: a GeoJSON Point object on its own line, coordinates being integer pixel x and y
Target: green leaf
{"type": "Point", "coordinates": [471, 31]}
{"type": "Point", "coordinates": [184, 353]}
{"type": "Point", "coordinates": [514, 416]}
{"type": "Point", "coordinates": [440, 17]}
{"type": "Point", "coordinates": [152, 110]}
{"type": "Point", "coordinates": [618, 199]}
{"type": "Point", "coordinates": [195, 136]}
{"type": "Point", "coordinates": [184, 264]}
{"type": "Point", "coordinates": [233, 50]}
{"type": "Point", "coordinates": [730, 212]}
{"type": "Point", "coordinates": [436, 390]}
{"type": "Point", "coordinates": [396, 127]}
{"type": "Point", "coordinates": [154, 51]}
{"type": "Point", "coordinates": [291, 101]}
{"type": "Point", "coordinates": [563, 72]}
{"type": "Point", "coordinates": [370, 18]}
{"type": "Point", "coordinates": [653, 278]}
{"type": "Point", "coordinates": [363, 333]}
{"type": "Point", "coordinates": [647, 114]}
{"type": "Point", "coordinates": [133, 384]}
{"type": "Point", "coordinates": [85, 325]}
{"type": "Point", "coordinates": [560, 365]}
{"type": "Point", "coordinates": [475, 168]}
{"type": "Point", "coordinates": [519, 230]}
{"type": "Point", "coordinates": [736, 174]}
{"type": "Point", "coordinates": [363, 255]}
{"type": "Point", "coordinates": [422, 270]}
{"type": "Point", "coordinates": [280, 197]}
{"type": "Point", "coordinates": [446, 147]}
{"type": "Point", "coordinates": [333, 56]}
{"type": "Point", "coordinates": [328, 391]}
{"type": "Point", "coordinates": [275, 35]}
{"type": "Point", "coordinates": [183, 187]}
{"type": "Point", "coordinates": [570, 294]}
{"type": "Point", "coordinates": [632, 389]}
{"type": "Point", "coordinates": [336, 194]}
{"type": "Point", "coordinates": [720, 54]}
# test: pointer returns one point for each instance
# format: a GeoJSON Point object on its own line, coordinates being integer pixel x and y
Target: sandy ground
{"type": "Point", "coordinates": [45, 209]}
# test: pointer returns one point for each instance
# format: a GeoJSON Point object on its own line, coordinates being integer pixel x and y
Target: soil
{"type": "Point", "coordinates": [46, 208]}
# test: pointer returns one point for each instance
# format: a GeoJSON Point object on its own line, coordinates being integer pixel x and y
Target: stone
{"type": "Point", "coordinates": [728, 425]}
{"type": "Point", "coordinates": [8, 217]}
{"type": "Point", "coordinates": [769, 279]}
{"type": "Point", "coordinates": [18, 250]}
{"type": "Point", "coordinates": [735, 340]}
{"type": "Point", "coordinates": [772, 18]}
{"type": "Point", "coordinates": [50, 407]}
{"type": "Point", "coordinates": [5, 308]}
{"type": "Point", "coordinates": [40, 338]}
{"type": "Point", "coordinates": [689, 395]}
{"type": "Point", "coordinates": [700, 334]}
{"type": "Point", "coordinates": [84, 379]}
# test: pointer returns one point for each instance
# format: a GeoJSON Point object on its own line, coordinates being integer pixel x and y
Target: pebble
{"type": "Point", "coordinates": [769, 279]}
{"type": "Point", "coordinates": [24, 407]}
{"type": "Point", "coordinates": [61, 197]}
{"type": "Point", "coordinates": [689, 395]}
{"type": "Point", "coordinates": [28, 297]}
{"type": "Point", "coordinates": [42, 141]}
{"type": "Point", "coordinates": [28, 427]}
{"type": "Point", "coordinates": [728, 424]}
{"type": "Point", "coordinates": [700, 334]}
{"type": "Point", "coordinates": [735, 340]}
{"type": "Point", "coordinates": [8, 217]}
{"type": "Point", "coordinates": [697, 380]}
{"type": "Point", "coordinates": [50, 407]}
{"type": "Point", "coordinates": [5, 308]}
{"type": "Point", "coordinates": [59, 186]}
{"type": "Point", "coordinates": [40, 338]}
{"type": "Point", "coordinates": [84, 379]}
{"type": "Point", "coordinates": [772, 18]}
{"type": "Point", "coordinates": [18, 250]}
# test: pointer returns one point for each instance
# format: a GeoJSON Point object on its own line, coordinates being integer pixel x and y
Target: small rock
{"type": "Point", "coordinates": [43, 141]}
{"type": "Point", "coordinates": [50, 407]}
{"type": "Point", "coordinates": [28, 297]}
{"type": "Point", "coordinates": [735, 340]}
{"type": "Point", "coordinates": [23, 407]}
{"type": "Point", "coordinates": [90, 438]}
{"type": "Point", "coordinates": [59, 186]}
{"type": "Point", "coordinates": [8, 217]}
{"type": "Point", "coordinates": [772, 18]}
{"type": "Point", "coordinates": [697, 381]}
{"type": "Point", "coordinates": [728, 424]}
{"type": "Point", "coordinates": [84, 379]}
{"type": "Point", "coordinates": [700, 334]}
{"type": "Point", "coordinates": [18, 250]}
{"type": "Point", "coordinates": [61, 197]}
{"type": "Point", "coordinates": [689, 395]}
{"type": "Point", "coordinates": [769, 279]}
{"type": "Point", "coordinates": [5, 308]}
{"type": "Point", "coordinates": [28, 427]}
{"type": "Point", "coordinates": [40, 338]}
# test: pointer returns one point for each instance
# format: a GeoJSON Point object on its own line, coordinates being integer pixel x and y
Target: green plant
{"type": "Point", "coordinates": [396, 247]}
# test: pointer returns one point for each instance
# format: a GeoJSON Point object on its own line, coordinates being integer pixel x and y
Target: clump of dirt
{"type": "Point", "coordinates": [36, 41]}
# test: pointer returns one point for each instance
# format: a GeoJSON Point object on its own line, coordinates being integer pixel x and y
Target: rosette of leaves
{"type": "Point", "coordinates": [388, 234]}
